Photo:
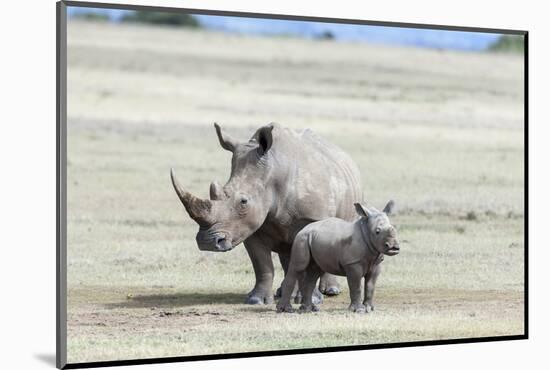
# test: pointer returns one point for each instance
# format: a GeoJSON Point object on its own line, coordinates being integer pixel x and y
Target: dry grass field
{"type": "Point", "coordinates": [439, 132]}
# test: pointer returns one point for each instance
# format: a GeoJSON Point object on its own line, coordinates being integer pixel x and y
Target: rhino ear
{"type": "Point", "coordinates": [362, 211]}
{"type": "Point", "coordinates": [226, 141]}
{"type": "Point", "coordinates": [265, 139]}
{"type": "Point", "coordinates": [388, 209]}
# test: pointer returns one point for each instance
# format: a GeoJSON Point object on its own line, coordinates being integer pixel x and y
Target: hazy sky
{"type": "Point", "coordinates": [375, 34]}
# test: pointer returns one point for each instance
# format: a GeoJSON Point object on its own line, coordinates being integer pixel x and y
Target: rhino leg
{"type": "Point", "coordinates": [284, 258]}
{"type": "Point", "coordinates": [328, 285]}
{"type": "Point", "coordinates": [260, 255]}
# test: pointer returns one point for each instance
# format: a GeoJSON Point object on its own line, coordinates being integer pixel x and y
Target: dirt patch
{"type": "Point", "coordinates": [147, 310]}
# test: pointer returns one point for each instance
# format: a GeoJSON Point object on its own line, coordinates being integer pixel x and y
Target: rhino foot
{"type": "Point", "coordinates": [309, 308]}
{"type": "Point", "coordinates": [368, 307]}
{"type": "Point", "coordinates": [329, 287]}
{"type": "Point", "coordinates": [332, 291]}
{"type": "Point", "coordinates": [258, 298]}
{"type": "Point", "coordinates": [285, 308]}
{"type": "Point", "coordinates": [316, 297]}
{"type": "Point", "coordinates": [357, 308]}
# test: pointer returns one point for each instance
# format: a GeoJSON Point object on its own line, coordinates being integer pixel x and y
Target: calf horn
{"type": "Point", "coordinates": [198, 209]}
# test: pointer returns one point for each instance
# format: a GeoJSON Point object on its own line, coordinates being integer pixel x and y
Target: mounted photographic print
{"type": "Point", "coordinates": [236, 185]}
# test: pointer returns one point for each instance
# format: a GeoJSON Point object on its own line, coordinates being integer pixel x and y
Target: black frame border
{"type": "Point", "coordinates": [61, 194]}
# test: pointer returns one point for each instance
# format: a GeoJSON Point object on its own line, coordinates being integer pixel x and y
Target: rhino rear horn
{"type": "Point", "coordinates": [216, 191]}
{"type": "Point", "coordinates": [198, 209]}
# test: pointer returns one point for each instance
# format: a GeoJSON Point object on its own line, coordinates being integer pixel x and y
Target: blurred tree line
{"type": "Point", "coordinates": [162, 18]}
{"type": "Point", "coordinates": [159, 18]}
{"type": "Point", "coordinates": [508, 43]}
{"type": "Point", "coordinates": [92, 16]}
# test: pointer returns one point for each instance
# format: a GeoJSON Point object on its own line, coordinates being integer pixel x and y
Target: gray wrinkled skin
{"type": "Point", "coordinates": [281, 180]}
{"type": "Point", "coordinates": [351, 249]}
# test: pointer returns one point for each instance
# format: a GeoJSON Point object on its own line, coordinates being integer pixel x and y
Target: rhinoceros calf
{"type": "Point", "coordinates": [351, 249]}
{"type": "Point", "coordinates": [281, 180]}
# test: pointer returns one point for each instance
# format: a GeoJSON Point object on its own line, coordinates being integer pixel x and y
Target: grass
{"type": "Point", "coordinates": [189, 323]}
{"type": "Point", "coordinates": [441, 133]}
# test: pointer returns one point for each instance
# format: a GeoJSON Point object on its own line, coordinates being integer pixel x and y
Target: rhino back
{"type": "Point", "coordinates": [312, 179]}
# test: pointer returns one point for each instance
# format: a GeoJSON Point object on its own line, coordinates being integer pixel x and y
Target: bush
{"type": "Point", "coordinates": [171, 19]}
{"type": "Point", "coordinates": [508, 43]}
{"type": "Point", "coordinates": [326, 35]}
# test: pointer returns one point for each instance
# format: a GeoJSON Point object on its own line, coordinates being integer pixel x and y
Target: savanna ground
{"type": "Point", "coordinates": [441, 133]}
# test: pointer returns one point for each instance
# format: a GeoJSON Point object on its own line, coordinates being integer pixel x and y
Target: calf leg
{"type": "Point", "coordinates": [370, 282]}
{"type": "Point", "coordinates": [287, 287]}
{"type": "Point", "coordinates": [354, 274]}
{"type": "Point", "coordinates": [307, 285]}
{"type": "Point", "coordinates": [300, 258]}
{"type": "Point", "coordinates": [284, 258]}
{"type": "Point", "coordinates": [316, 296]}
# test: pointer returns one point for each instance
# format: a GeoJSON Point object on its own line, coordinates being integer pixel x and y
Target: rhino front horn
{"type": "Point", "coordinates": [198, 209]}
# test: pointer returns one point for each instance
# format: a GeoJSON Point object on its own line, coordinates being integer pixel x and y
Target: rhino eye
{"type": "Point", "coordinates": [377, 230]}
{"type": "Point", "coordinates": [244, 201]}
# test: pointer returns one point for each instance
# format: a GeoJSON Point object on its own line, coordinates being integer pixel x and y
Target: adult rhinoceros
{"type": "Point", "coordinates": [281, 180]}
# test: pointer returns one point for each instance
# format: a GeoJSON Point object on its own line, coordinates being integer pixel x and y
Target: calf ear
{"type": "Point", "coordinates": [362, 211]}
{"type": "Point", "coordinates": [226, 141]}
{"type": "Point", "coordinates": [265, 139]}
{"type": "Point", "coordinates": [388, 209]}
